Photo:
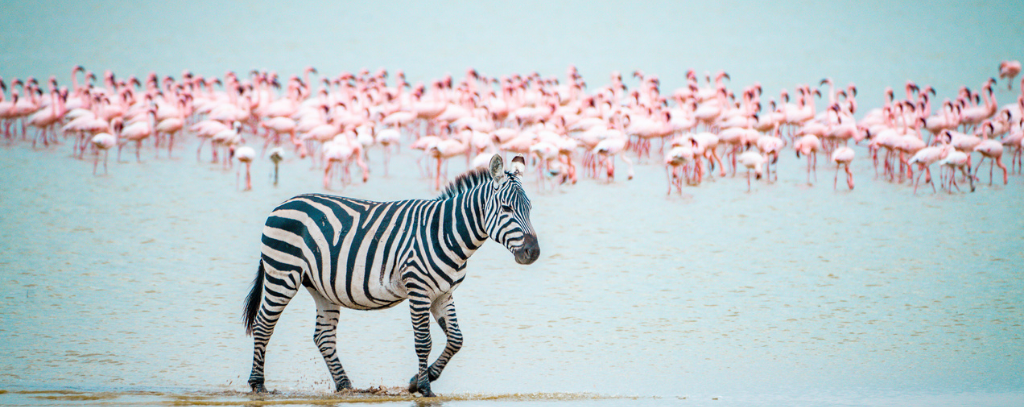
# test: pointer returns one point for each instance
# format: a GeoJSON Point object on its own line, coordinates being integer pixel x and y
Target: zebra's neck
{"type": "Point", "coordinates": [462, 221]}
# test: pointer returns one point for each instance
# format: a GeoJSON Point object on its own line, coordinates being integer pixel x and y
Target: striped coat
{"type": "Point", "coordinates": [370, 255]}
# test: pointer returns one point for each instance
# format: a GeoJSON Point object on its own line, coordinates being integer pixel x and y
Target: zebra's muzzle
{"type": "Point", "coordinates": [529, 251]}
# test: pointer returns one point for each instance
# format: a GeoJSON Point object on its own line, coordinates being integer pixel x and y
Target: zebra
{"type": "Point", "coordinates": [370, 255]}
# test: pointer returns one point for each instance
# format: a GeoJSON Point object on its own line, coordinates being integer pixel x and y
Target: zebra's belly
{"type": "Point", "coordinates": [361, 287]}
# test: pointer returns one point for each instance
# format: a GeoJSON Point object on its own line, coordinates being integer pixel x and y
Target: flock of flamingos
{"type": "Point", "coordinates": [567, 131]}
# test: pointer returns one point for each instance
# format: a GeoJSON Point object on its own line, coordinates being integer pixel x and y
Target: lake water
{"type": "Point", "coordinates": [127, 289]}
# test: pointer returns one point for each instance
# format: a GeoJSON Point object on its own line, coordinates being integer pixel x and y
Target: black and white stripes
{"type": "Point", "coordinates": [373, 255]}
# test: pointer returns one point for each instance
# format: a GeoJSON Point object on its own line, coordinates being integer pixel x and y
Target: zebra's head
{"type": "Point", "coordinates": [507, 219]}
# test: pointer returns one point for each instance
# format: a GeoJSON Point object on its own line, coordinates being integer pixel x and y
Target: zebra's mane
{"type": "Point", "coordinates": [465, 182]}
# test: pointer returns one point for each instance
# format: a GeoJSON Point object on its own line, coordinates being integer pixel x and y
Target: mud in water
{"type": "Point", "coordinates": [372, 395]}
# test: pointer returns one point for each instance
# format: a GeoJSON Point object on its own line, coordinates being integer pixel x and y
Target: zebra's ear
{"type": "Point", "coordinates": [519, 165]}
{"type": "Point", "coordinates": [497, 168]}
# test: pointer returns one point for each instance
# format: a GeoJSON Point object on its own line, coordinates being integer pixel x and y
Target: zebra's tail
{"type": "Point", "coordinates": [252, 302]}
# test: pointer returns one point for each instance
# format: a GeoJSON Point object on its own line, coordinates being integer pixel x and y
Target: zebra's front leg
{"type": "Point", "coordinates": [444, 313]}
{"type": "Point", "coordinates": [325, 337]}
{"type": "Point", "coordinates": [419, 306]}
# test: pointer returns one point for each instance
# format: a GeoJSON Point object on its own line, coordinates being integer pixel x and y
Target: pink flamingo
{"type": "Point", "coordinates": [425, 144]}
{"type": "Point", "coordinates": [908, 144]}
{"type": "Point", "coordinates": [323, 134]}
{"type": "Point", "coordinates": [7, 109]}
{"type": "Point", "coordinates": [648, 128]}
{"type": "Point", "coordinates": [399, 119]}
{"type": "Point", "coordinates": [567, 151]}
{"type": "Point", "coordinates": [676, 160]}
{"type": "Point", "coordinates": [843, 156]}
{"type": "Point", "coordinates": [388, 138]}
{"type": "Point", "coordinates": [957, 160]}
{"type": "Point", "coordinates": [809, 146]}
{"type": "Point", "coordinates": [85, 124]}
{"type": "Point", "coordinates": [27, 105]}
{"type": "Point", "coordinates": [608, 149]}
{"type": "Point", "coordinates": [279, 125]}
{"type": "Point", "coordinates": [974, 115]}
{"type": "Point", "coordinates": [752, 160]}
{"type": "Point", "coordinates": [709, 111]}
{"type": "Point", "coordinates": [445, 150]}
{"type": "Point", "coordinates": [993, 150]}
{"type": "Point", "coordinates": [226, 138]}
{"type": "Point", "coordinates": [771, 146]}
{"type": "Point", "coordinates": [945, 120]}
{"type": "Point", "coordinates": [171, 126]}
{"type": "Point", "coordinates": [1012, 141]}
{"type": "Point", "coordinates": [735, 140]}
{"type": "Point", "coordinates": [925, 157]}
{"type": "Point", "coordinates": [1009, 69]}
{"type": "Point", "coordinates": [520, 144]}
{"type": "Point", "coordinates": [842, 129]}
{"type": "Point", "coordinates": [205, 130]}
{"type": "Point", "coordinates": [104, 142]}
{"type": "Point", "coordinates": [245, 154]}
{"type": "Point", "coordinates": [547, 154]}
{"type": "Point", "coordinates": [45, 119]}
{"type": "Point", "coordinates": [137, 132]}
{"type": "Point", "coordinates": [695, 146]}
{"type": "Point", "coordinates": [962, 142]}
{"type": "Point", "coordinates": [339, 154]}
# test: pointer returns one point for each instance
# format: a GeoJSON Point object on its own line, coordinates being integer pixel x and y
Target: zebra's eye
{"type": "Point", "coordinates": [506, 208]}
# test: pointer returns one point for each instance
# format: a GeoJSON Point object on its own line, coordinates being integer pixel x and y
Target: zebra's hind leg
{"type": "Point", "coordinates": [325, 337]}
{"type": "Point", "coordinates": [444, 312]}
{"type": "Point", "coordinates": [278, 289]}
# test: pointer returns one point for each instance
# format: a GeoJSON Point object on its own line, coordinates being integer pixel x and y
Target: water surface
{"type": "Point", "coordinates": [128, 288]}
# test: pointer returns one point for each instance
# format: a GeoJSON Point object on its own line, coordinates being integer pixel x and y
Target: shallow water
{"type": "Point", "coordinates": [128, 287]}
{"type": "Point", "coordinates": [136, 279]}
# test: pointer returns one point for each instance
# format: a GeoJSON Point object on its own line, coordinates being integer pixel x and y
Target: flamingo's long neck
{"type": "Point", "coordinates": [903, 120]}
{"type": "Point", "coordinates": [74, 81]}
{"type": "Point", "coordinates": [812, 103]}
{"type": "Point", "coordinates": [232, 93]}
{"type": "Point", "coordinates": [33, 97]}
{"type": "Point", "coordinates": [54, 100]}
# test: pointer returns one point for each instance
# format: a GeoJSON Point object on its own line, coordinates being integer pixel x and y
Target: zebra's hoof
{"type": "Point", "coordinates": [414, 387]}
{"type": "Point", "coordinates": [258, 388]}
